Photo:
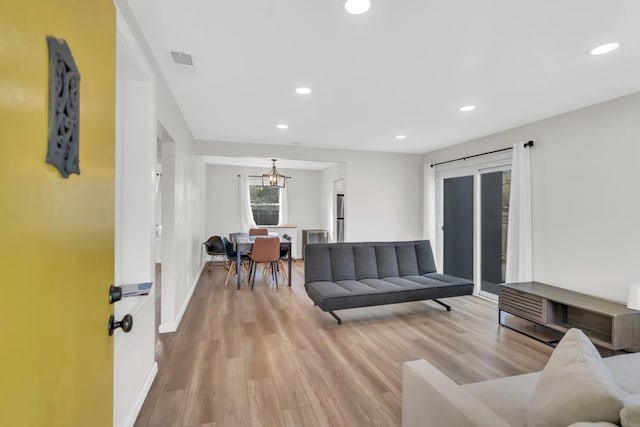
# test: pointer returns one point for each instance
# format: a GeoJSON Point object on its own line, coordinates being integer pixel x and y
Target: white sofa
{"type": "Point", "coordinates": [430, 398]}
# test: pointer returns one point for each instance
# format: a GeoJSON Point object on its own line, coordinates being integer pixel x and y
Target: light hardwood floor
{"type": "Point", "coordinates": [270, 358]}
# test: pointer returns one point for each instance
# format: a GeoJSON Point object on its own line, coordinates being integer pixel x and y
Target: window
{"type": "Point", "coordinates": [265, 204]}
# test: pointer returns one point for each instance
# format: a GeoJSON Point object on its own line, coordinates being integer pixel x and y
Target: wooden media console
{"type": "Point", "coordinates": [551, 311]}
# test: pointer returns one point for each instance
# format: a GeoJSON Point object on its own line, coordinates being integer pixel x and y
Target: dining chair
{"type": "Point", "coordinates": [266, 250]}
{"type": "Point", "coordinates": [233, 264]}
{"type": "Point", "coordinates": [214, 246]}
{"type": "Point", "coordinates": [284, 256]}
{"type": "Point", "coordinates": [258, 232]}
{"type": "Point", "coordinates": [233, 236]}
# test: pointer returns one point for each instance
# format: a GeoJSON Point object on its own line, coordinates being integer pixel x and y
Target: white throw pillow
{"type": "Point", "coordinates": [630, 414]}
{"type": "Point", "coordinates": [574, 386]}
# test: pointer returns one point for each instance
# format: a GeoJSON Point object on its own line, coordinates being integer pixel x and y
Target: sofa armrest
{"type": "Point", "coordinates": [430, 398]}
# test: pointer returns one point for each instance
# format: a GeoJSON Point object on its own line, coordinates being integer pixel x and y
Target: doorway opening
{"type": "Point", "coordinates": [338, 209]}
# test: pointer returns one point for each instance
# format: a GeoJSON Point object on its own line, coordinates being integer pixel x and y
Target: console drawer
{"type": "Point", "coordinates": [523, 304]}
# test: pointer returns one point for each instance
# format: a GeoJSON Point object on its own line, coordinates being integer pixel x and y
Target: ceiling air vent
{"type": "Point", "coordinates": [181, 58]}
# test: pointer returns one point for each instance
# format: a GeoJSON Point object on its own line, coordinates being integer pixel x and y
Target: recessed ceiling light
{"type": "Point", "coordinates": [357, 7]}
{"type": "Point", "coordinates": [401, 136]}
{"type": "Point", "coordinates": [303, 91]}
{"type": "Point", "coordinates": [282, 126]}
{"type": "Point", "coordinates": [605, 48]}
{"type": "Point", "coordinates": [467, 108]}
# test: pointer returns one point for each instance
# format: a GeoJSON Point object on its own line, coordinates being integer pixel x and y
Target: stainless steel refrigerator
{"type": "Point", "coordinates": [340, 218]}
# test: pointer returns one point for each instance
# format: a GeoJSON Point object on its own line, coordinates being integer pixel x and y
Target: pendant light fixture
{"type": "Point", "coordinates": [274, 178]}
{"type": "Point", "coordinates": [357, 7]}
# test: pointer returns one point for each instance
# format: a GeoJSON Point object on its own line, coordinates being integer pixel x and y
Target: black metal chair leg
{"type": "Point", "coordinates": [274, 268]}
{"type": "Point", "coordinates": [273, 278]}
{"type": "Point", "coordinates": [253, 280]}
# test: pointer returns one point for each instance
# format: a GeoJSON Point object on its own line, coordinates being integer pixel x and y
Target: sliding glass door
{"type": "Point", "coordinates": [457, 227]}
{"type": "Point", "coordinates": [494, 221]}
{"type": "Point", "coordinates": [472, 216]}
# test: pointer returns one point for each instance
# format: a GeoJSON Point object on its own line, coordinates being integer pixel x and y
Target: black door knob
{"type": "Point", "coordinates": [115, 294]}
{"type": "Point", "coordinates": [126, 324]}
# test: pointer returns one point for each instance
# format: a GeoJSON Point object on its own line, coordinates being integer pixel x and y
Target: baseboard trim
{"type": "Point", "coordinates": [143, 395]}
{"type": "Point", "coordinates": [169, 327]}
{"type": "Point", "coordinates": [173, 326]}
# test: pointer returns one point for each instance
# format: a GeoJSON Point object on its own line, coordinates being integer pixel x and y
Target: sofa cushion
{"type": "Point", "coordinates": [508, 396]}
{"type": "Point", "coordinates": [630, 414]}
{"type": "Point", "coordinates": [342, 263]}
{"type": "Point", "coordinates": [387, 260]}
{"type": "Point", "coordinates": [426, 260]}
{"type": "Point", "coordinates": [626, 371]}
{"type": "Point", "coordinates": [362, 293]}
{"type": "Point", "coordinates": [574, 386]}
{"type": "Point", "coordinates": [364, 258]}
{"type": "Point", "coordinates": [407, 260]}
{"type": "Point", "coordinates": [369, 260]}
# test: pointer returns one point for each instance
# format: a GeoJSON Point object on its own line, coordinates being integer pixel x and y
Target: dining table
{"type": "Point", "coordinates": [244, 243]}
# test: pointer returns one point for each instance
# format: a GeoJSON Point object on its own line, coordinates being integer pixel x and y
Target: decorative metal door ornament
{"type": "Point", "coordinates": [64, 108]}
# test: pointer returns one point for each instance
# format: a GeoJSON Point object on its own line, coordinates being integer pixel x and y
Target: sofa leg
{"type": "Point", "coordinates": [335, 316]}
{"type": "Point", "coordinates": [448, 307]}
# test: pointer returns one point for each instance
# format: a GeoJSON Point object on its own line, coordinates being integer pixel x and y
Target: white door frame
{"type": "Point", "coordinates": [472, 167]}
{"type": "Point", "coordinates": [134, 366]}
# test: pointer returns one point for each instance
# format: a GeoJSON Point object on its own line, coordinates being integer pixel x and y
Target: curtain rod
{"type": "Point", "coordinates": [526, 144]}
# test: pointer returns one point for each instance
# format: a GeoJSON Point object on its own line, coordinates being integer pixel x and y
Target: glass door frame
{"type": "Point", "coordinates": [478, 288]}
{"type": "Point", "coordinates": [472, 167]}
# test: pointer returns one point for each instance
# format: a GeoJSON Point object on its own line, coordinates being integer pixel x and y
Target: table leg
{"type": "Point", "coordinates": [238, 269]}
{"type": "Point", "coordinates": [289, 266]}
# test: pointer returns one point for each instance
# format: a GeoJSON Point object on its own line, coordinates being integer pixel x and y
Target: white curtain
{"type": "Point", "coordinates": [519, 237]}
{"type": "Point", "coordinates": [284, 206]}
{"type": "Point", "coordinates": [430, 227]}
{"type": "Point", "coordinates": [245, 204]}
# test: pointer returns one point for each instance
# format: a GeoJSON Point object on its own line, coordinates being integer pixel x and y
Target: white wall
{"type": "Point", "coordinates": [586, 208]}
{"type": "Point", "coordinates": [189, 224]}
{"type": "Point", "coordinates": [304, 199]}
{"type": "Point", "coordinates": [384, 199]}
{"type": "Point", "coordinates": [183, 207]}
{"type": "Point", "coordinates": [223, 204]}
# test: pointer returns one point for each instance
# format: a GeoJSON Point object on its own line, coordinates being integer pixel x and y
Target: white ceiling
{"type": "Point", "coordinates": [402, 68]}
{"type": "Point", "coordinates": [265, 163]}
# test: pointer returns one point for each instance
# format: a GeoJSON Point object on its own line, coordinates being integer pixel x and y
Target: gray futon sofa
{"type": "Point", "coordinates": [349, 275]}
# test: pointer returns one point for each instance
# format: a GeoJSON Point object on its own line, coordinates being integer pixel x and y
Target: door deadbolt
{"type": "Point", "coordinates": [115, 294]}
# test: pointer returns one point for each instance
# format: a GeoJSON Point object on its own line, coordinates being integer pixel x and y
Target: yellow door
{"type": "Point", "coordinates": [56, 251]}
